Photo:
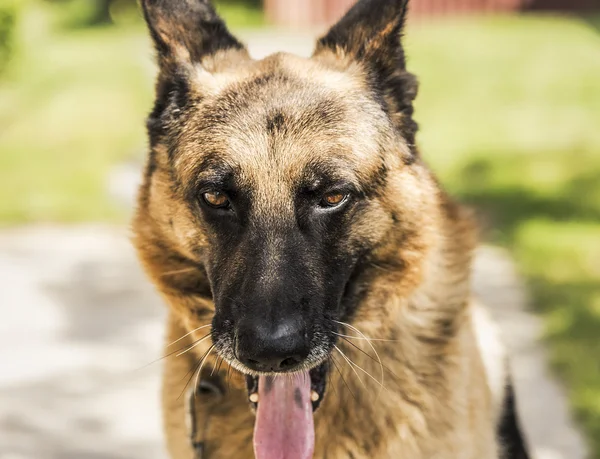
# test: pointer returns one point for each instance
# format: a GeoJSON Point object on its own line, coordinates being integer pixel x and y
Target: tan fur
{"type": "Point", "coordinates": [433, 399]}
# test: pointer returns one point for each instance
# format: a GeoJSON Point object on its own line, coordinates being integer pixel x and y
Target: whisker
{"type": "Point", "coordinates": [188, 334]}
{"type": "Point", "coordinates": [229, 377]}
{"type": "Point", "coordinates": [202, 364]}
{"type": "Point", "coordinates": [372, 347]}
{"type": "Point", "coordinates": [220, 363]}
{"type": "Point", "coordinates": [193, 370]}
{"type": "Point", "coordinates": [342, 376]}
{"type": "Point", "coordinates": [197, 343]}
{"type": "Point", "coordinates": [360, 338]}
{"type": "Point", "coordinates": [186, 347]}
{"type": "Point", "coordinates": [352, 367]}
{"type": "Point", "coordinates": [179, 271]}
{"type": "Point", "coordinates": [359, 349]}
{"type": "Point", "coordinates": [217, 360]}
{"type": "Point", "coordinates": [365, 372]}
{"type": "Point", "coordinates": [370, 356]}
{"type": "Point", "coordinates": [329, 379]}
{"type": "Point", "coordinates": [381, 268]}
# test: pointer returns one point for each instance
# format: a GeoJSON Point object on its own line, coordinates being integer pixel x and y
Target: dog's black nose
{"type": "Point", "coordinates": [272, 347]}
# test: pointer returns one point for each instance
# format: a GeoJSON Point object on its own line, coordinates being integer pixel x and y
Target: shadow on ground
{"type": "Point", "coordinates": [548, 214]}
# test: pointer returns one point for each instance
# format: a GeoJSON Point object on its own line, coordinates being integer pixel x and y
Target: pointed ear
{"type": "Point", "coordinates": [370, 33]}
{"type": "Point", "coordinates": [186, 31]}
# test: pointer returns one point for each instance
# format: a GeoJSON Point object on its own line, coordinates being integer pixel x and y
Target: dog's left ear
{"type": "Point", "coordinates": [370, 33]}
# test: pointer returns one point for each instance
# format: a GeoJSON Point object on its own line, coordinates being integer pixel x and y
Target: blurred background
{"type": "Point", "coordinates": [509, 109]}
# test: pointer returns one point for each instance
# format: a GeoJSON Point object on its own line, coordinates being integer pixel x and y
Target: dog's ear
{"type": "Point", "coordinates": [186, 31]}
{"type": "Point", "coordinates": [370, 33]}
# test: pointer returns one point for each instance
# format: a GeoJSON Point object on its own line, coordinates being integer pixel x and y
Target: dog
{"type": "Point", "coordinates": [316, 273]}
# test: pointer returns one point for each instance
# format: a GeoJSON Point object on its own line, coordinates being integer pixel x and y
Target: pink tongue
{"type": "Point", "coordinates": [284, 426]}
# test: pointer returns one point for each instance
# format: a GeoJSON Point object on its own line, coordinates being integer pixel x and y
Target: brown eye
{"type": "Point", "coordinates": [216, 199]}
{"type": "Point", "coordinates": [333, 199]}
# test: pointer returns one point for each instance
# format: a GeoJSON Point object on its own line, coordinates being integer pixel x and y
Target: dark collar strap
{"type": "Point", "coordinates": [209, 388]}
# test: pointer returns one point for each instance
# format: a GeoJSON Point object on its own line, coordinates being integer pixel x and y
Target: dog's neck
{"type": "Point", "coordinates": [425, 294]}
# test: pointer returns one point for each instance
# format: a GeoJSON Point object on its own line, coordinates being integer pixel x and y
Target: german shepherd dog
{"type": "Point", "coordinates": [317, 276]}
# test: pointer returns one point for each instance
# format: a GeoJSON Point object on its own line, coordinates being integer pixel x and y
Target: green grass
{"type": "Point", "coordinates": [71, 106]}
{"type": "Point", "coordinates": [510, 109]}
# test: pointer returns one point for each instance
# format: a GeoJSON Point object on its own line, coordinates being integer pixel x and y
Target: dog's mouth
{"type": "Point", "coordinates": [284, 407]}
{"type": "Point", "coordinates": [318, 384]}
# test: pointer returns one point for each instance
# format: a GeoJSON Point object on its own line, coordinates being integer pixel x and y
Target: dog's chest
{"type": "Point", "coordinates": [345, 433]}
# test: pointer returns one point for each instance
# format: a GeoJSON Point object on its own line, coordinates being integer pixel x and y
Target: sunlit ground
{"type": "Point", "coordinates": [510, 116]}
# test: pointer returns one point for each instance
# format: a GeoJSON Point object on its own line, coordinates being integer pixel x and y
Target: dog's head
{"type": "Point", "coordinates": [280, 184]}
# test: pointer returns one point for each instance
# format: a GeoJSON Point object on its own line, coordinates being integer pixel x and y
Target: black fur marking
{"type": "Point", "coordinates": [172, 97]}
{"type": "Point", "coordinates": [212, 165]}
{"type": "Point", "coordinates": [326, 113]}
{"type": "Point", "coordinates": [275, 122]}
{"type": "Point", "coordinates": [151, 165]}
{"type": "Point", "coordinates": [411, 159]}
{"type": "Point", "coordinates": [509, 431]}
{"type": "Point", "coordinates": [154, 123]}
{"type": "Point", "coordinates": [356, 289]}
{"type": "Point", "coordinates": [376, 182]}
{"type": "Point", "coordinates": [261, 80]}
{"type": "Point", "coordinates": [238, 96]}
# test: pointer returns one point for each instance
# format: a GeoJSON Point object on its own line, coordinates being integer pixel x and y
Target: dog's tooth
{"type": "Point", "coordinates": [314, 396]}
{"type": "Point", "coordinates": [254, 397]}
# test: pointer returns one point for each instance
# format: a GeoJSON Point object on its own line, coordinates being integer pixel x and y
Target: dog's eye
{"type": "Point", "coordinates": [333, 199]}
{"type": "Point", "coordinates": [216, 200]}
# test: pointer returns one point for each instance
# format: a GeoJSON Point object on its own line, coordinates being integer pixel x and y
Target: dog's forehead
{"type": "Point", "coordinates": [275, 119]}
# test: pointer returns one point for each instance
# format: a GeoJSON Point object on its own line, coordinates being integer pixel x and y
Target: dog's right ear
{"type": "Point", "coordinates": [185, 32]}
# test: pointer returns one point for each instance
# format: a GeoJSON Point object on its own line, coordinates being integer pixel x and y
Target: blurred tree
{"type": "Point", "coordinates": [91, 12]}
{"type": "Point", "coordinates": [99, 12]}
{"type": "Point", "coordinates": [246, 2]}
{"type": "Point", "coordinates": [102, 15]}
{"type": "Point", "coordinates": [8, 16]}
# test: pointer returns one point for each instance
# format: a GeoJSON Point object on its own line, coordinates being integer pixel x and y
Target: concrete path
{"type": "Point", "coordinates": [80, 324]}
{"type": "Point", "coordinates": [543, 408]}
